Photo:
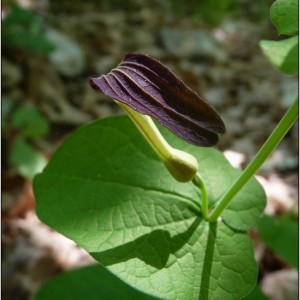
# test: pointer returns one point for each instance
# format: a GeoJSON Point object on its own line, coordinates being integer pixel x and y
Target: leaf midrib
{"type": "Point", "coordinates": [183, 198]}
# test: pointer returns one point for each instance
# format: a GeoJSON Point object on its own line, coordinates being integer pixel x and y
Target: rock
{"type": "Point", "coordinates": [139, 39]}
{"type": "Point", "coordinates": [281, 196]}
{"type": "Point", "coordinates": [67, 57]}
{"type": "Point", "coordinates": [243, 145]}
{"type": "Point", "coordinates": [55, 104]}
{"type": "Point", "coordinates": [287, 164]}
{"type": "Point", "coordinates": [258, 125]}
{"type": "Point", "coordinates": [104, 64]}
{"type": "Point", "coordinates": [215, 96]}
{"type": "Point", "coordinates": [281, 285]}
{"type": "Point", "coordinates": [192, 43]}
{"type": "Point", "coordinates": [236, 159]}
{"type": "Point", "coordinates": [233, 125]}
{"type": "Point", "coordinates": [281, 160]}
{"type": "Point", "coordinates": [289, 88]}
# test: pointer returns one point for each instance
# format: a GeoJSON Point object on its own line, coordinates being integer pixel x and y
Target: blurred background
{"type": "Point", "coordinates": [51, 47]}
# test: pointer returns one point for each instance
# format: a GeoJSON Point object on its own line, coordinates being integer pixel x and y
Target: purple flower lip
{"type": "Point", "coordinates": [150, 88]}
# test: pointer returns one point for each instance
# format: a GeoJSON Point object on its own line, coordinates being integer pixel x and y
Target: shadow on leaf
{"type": "Point", "coordinates": [154, 248]}
{"type": "Point", "coordinates": [208, 261]}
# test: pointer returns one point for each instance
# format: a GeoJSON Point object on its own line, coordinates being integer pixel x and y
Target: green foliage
{"type": "Point", "coordinates": [284, 15]}
{"type": "Point", "coordinates": [114, 197]}
{"type": "Point", "coordinates": [281, 235]}
{"type": "Point", "coordinates": [256, 294]}
{"type": "Point", "coordinates": [283, 54]}
{"type": "Point", "coordinates": [30, 122]}
{"type": "Point", "coordinates": [91, 283]}
{"type": "Point", "coordinates": [210, 11]}
{"type": "Point", "coordinates": [26, 159]}
{"type": "Point", "coordinates": [213, 12]}
{"type": "Point", "coordinates": [21, 125]}
{"type": "Point", "coordinates": [22, 28]}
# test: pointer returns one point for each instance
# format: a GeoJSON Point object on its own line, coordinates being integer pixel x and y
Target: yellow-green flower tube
{"type": "Point", "coordinates": [182, 165]}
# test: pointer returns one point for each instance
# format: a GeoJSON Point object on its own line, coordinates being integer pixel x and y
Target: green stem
{"type": "Point", "coordinates": [274, 139]}
{"type": "Point", "coordinates": [198, 181]}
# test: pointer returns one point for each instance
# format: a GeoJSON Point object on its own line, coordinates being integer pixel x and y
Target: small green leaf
{"type": "Point", "coordinates": [284, 15]}
{"type": "Point", "coordinates": [282, 54]}
{"type": "Point", "coordinates": [26, 159]}
{"type": "Point", "coordinates": [281, 235]}
{"type": "Point", "coordinates": [31, 41]}
{"type": "Point", "coordinates": [90, 283]}
{"type": "Point", "coordinates": [22, 28]}
{"type": "Point", "coordinates": [18, 15]}
{"type": "Point", "coordinates": [31, 123]}
{"type": "Point", "coordinates": [107, 190]}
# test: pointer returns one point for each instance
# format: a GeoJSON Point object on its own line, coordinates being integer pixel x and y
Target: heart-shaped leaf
{"type": "Point", "coordinates": [106, 189]}
{"type": "Point", "coordinates": [284, 15]}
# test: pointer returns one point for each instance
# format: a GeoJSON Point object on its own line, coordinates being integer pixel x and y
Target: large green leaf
{"type": "Point", "coordinates": [284, 15]}
{"type": "Point", "coordinates": [282, 54]}
{"type": "Point", "coordinates": [106, 189]}
{"type": "Point", "coordinates": [91, 283]}
{"type": "Point", "coordinates": [281, 235]}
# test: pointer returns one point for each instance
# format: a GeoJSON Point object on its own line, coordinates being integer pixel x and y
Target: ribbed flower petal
{"type": "Point", "coordinates": [152, 89]}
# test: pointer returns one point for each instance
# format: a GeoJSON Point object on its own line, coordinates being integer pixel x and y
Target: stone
{"type": "Point", "coordinates": [191, 43]}
{"type": "Point", "coordinates": [67, 56]}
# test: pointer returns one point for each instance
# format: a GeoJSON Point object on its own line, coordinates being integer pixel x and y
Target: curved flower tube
{"type": "Point", "coordinates": [181, 165]}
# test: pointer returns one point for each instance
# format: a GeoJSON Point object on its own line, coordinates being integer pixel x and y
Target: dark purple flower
{"type": "Point", "coordinates": [150, 88]}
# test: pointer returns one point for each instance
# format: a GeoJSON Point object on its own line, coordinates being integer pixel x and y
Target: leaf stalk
{"type": "Point", "coordinates": [271, 143]}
